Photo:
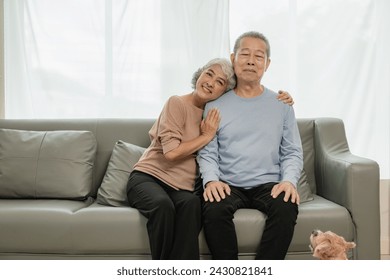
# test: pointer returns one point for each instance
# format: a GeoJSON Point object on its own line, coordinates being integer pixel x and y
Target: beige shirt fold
{"type": "Point", "coordinates": [178, 122]}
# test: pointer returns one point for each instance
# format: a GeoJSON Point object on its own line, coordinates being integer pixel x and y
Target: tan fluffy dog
{"type": "Point", "coordinates": [329, 246]}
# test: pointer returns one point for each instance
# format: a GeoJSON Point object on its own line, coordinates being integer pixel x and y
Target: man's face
{"type": "Point", "coordinates": [251, 61]}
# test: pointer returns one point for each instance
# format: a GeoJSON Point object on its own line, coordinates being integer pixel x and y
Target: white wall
{"type": "Point", "coordinates": [2, 104]}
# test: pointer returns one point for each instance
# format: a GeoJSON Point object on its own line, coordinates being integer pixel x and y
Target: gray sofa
{"type": "Point", "coordinates": [42, 220]}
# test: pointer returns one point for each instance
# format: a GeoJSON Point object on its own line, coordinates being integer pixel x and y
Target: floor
{"type": "Point", "coordinates": [385, 257]}
{"type": "Point", "coordinates": [385, 218]}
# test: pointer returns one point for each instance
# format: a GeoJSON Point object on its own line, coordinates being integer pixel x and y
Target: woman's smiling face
{"type": "Point", "coordinates": [211, 84]}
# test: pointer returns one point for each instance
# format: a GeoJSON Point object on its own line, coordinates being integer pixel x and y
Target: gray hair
{"type": "Point", "coordinates": [253, 34]}
{"type": "Point", "coordinates": [227, 69]}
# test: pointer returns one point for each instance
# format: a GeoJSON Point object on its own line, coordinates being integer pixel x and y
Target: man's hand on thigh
{"type": "Point", "coordinates": [290, 192]}
{"type": "Point", "coordinates": [216, 190]}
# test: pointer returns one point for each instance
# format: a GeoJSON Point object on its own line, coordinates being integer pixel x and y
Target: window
{"type": "Point", "coordinates": [105, 58]}
{"type": "Point", "coordinates": [124, 58]}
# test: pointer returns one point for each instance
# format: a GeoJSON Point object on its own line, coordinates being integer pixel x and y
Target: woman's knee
{"type": "Point", "coordinates": [164, 204]}
{"type": "Point", "coordinates": [151, 202]}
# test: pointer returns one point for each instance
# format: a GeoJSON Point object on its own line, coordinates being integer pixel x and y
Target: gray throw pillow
{"type": "Point", "coordinates": [112, 191]}
{"type": "Point", "coordinates": [46, 164]}
{"type": "Point", "coordinates": [304, 189]}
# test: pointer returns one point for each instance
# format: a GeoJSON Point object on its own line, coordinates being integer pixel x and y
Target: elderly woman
{"type": "Point", "coordinates": [162, 185]}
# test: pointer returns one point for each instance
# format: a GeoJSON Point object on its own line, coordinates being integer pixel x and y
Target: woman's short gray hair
{"type": "Point", "coordinates": [227, 69]}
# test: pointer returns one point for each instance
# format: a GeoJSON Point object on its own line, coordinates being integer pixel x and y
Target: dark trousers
{"type": "Point", "coordinates": [174, 217]}
{"type": "Point", "coordinates": [219, 227]}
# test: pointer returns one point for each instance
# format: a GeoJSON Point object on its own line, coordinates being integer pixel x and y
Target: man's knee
{"type": "Point", "coordinates": [285, 211]}
{"type": "Point", "coordinates": [216, 211]}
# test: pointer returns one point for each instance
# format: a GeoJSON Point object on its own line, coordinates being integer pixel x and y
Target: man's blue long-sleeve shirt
{"type": "Point", "coordinates": [257, 142]}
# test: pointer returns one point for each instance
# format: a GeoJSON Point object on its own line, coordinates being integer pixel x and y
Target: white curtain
{"type": "Point", "coordinates": [123, 58]}
{"type": "Point", "coordinates": [106, 58]}
{"type": "Point", "coordinates": [333, 57]}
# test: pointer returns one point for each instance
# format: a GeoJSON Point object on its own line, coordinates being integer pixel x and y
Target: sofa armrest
{"type": "Point", "coordinates": [350, 181]}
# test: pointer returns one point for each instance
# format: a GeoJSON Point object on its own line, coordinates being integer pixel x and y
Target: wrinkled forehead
{"type": "Point", "coordinates": [216, 69]}
{"type": "Point", "coordinates": [253, 44]}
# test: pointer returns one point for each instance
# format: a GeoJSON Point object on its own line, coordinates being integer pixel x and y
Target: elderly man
{"type": "Point", "coordinates": [255, 159]}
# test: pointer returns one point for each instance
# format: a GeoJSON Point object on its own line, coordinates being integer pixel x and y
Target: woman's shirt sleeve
{"type": "Point", "coordinates": [172, 121]}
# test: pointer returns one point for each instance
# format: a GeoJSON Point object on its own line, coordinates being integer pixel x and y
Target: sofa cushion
{"type": "Point", "coordinates": [322, 214]}
{"type": "Point", "coordinates": [39, 226]}
{"type": "Point", "coordinates": [112, 191]}
{"type": "Point", "coordinates": [46, 164]}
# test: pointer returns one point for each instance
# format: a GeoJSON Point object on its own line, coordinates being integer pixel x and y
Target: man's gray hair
{"type": "Point", "coordinates": [227, 69]}
{"type": "Point", "coordinates": [253, 34]}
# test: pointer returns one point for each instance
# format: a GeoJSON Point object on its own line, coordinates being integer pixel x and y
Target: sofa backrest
{"type": "Point", "coordinates": [135, 131]}
{"type": "Point", "coordinates": [306, 130]}
{"type": "Point", "coordinates": [106, 131]}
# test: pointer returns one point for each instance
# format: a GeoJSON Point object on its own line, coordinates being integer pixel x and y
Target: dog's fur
{"type": "Point", "coordinates": [329, 246]}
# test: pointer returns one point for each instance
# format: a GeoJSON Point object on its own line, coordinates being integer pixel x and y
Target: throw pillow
{"type": "Point", "coordinates": [112, 191]}
{"type": "Point", "coordinates": [304, 189]}
{"type": "Point", "coordinates": [46, 164]}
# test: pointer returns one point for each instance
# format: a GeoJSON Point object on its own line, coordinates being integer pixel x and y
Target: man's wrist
{"type": "Point", "coordinates": [207, 178]}
{"type": "Point", "coordinates": [291, 183]}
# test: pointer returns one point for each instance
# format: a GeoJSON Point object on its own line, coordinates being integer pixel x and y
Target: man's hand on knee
{"type": "Point", "coordinates": [290, 192]}
{"type": "Point", "coordinates": [216, 190]}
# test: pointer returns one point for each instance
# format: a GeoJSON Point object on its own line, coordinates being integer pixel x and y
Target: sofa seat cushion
{"type": "Point", "coordinates": [322, 214]}
{"type": "Point", "coordinates": [128, 235]}
{"type": "Point", "coordinates": [86, 228]}
{"type": "Point", "coordinates": [38, 226]}
{"type": "Point", "coordinates": [104, 229]}
{"type": "Point", "coordinates": [46, 164]}
{"type": "Point", "coordinates": [126, 228]}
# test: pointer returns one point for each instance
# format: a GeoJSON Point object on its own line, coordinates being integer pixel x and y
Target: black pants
{"type": "Point", "coordinates": [281, 219]}
{"type": "Point", "coordinates": [174, 217]}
